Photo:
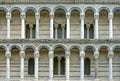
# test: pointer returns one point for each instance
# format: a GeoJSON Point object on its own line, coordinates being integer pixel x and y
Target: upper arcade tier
{"type": "Point", "coordinates": [60, 1]}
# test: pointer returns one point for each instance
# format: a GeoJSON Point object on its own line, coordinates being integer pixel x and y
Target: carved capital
{"type": "Point", "coordinates": [37, 16]}
{"type": "Point", "coordinates": [68, 15]}
{"type": "Point", "coordinates": [82, 54]}
{"type": "Point", "coordinates": [96, 16]}
{"type": "Point", "coordinates": [22, 54]}
{"type": "Point", "coordinates": [67, 54]}
{"type": "Point", "coordinates": [51, 55]}
{"type": "Point", "coordinates": [23, 16]}
{"type": "Point", "coordinates": [96, 54]}
{"type": "Point", "coordinates": [8, 54]}
{"type": "Point", "coordinates": [51, 16]}
{"type": "Point", "coordinates": [8, 15]}
{"type": "Point", "coordinates": [110, 16]}
{"type": "Point", "coordinates": [82, 16]}
{"type": "Point", "coordinates": [111, 54]}
{"type": "Point", "coordinates": [36, 54]}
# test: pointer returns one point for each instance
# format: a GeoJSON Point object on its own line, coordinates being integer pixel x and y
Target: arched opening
{"type": "Point", "coordinates": [30, 25]}
{"type": "Point", "coordinates": [3, 28]}
{"type": "Point", "coordinates": [43, 62]}
{"type": "Point", "coordinates": [116, 63]}
{"type": "Point", "coordinates": [29, 60]}
{"type": "Point", "coordinates": [75, 24]}
{"type": "Point", "coordinates": [31, 66]}
{"type": "Point", "coordinates": [44, 24]}
{"type": "Point", "coordinates": [103, 63]}
{"type": "Point", "coordinates": [15, 24]}
{"type": "Point", "coordinates": [15, 62]}
{"type": "Point", "coordinates": [116, 24]}
{"type": "Point", "coordinates": [60, 24]}
{"type": "Point", "coordinates": [87, 66]}
{"type": "Point", "coordinates": [2, 63]}
{"type": "Point", "coordinates": [103, 24]}
{"type": "Point", "coordinates": [89, 25]}
{"type": "Point", "coordinates": [59, 61]}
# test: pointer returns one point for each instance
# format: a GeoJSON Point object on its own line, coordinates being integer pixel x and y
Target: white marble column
{"type": "Point", "coordinates": [110, 16]}
{"type": "Point", "coordinates": [96, 32]}
{"type": "Point", "coordinates": [96, 56]}
{"type": "Point", "coordinates": [36, 55]}
{"type": "Point", "coordinates": [51, 65]}
{"type": "Point", "coordinates": [110, 55]}
{"type": "Point", "coordinates": [37, 25]}
{"type": "Point", "coordinates": [22, 56]}
{"type": "Point", "coordinates": [67, 65]}
{"type": "Point", "coordinates": [8, 16]}
{"type": "Point", "coordinates": [82, 55]}
{"type": "Point", "coordinates": [82, 17]}
{"type": "Point", "coordinates": [51, 25]}
{"type": "Point", "coordinates": [8, 55]}
{"type": "Point", "coordinates": [68, 25]}
{"type": "Point", "coordinates": [22, 25]}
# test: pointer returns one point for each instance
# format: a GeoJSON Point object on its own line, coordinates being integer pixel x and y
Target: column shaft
{"type": "Point", "coordinates": [23, 26]}
{"type": "Point", "coordinates": [8, 16]}
{"type": "Point", "coordinates": [67, 67]}
{"type": "Point", "coordinates": [96, 32]}
{"type": "Point", "coordinates": [37, 25]}
{"type": "Point", "coordinates": [82, 54]}
{"type": "Point", "coordinates": [8, 54]}
{"type": "Point", "coordinates": [68, 25]}
{"type": "Point", "coordinates": [110, 68]}
{"type": "Point", "coordinates": [82, 25]}
{"type": "Point", "coordinates": [110, 26]}
{"type": "Point", "coordinates": [36, 55]}
{"type": "Point", "coordinates": [22, 68]}
{"type": "Point", "coordinates": [51, 65]}
{"type": "Point", "coordinates": [51, 25]}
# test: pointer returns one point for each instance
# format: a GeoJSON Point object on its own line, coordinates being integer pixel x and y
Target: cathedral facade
{"type": "Point", "coordinates": [59, 40]}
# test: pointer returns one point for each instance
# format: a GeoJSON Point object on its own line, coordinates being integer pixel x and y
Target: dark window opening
{"type": "Point", "coordinates": [31, 66]}
{"type": "Point", "coordinates": [87, 66]}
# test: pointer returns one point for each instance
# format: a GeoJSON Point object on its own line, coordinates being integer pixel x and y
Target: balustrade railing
{"type": "Point", "coordinates": [60, 1]}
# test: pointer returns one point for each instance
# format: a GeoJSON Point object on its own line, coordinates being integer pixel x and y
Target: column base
{"type": "Point", "coordinates": [21, 79]}
{"type": "Point", "coordinates": [7, 79]}
{"type": "Point", "coordinates": [82, 80]}
{"type": "Point", "coordinates": [50, 80]}
{"type": "Point", "coordinates": [67, 80]}
{"type": "Point", "coordinates": [111, 80]}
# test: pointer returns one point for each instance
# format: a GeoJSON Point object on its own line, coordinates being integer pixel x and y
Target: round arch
{"type": "Point", "coordinates": [3, 47]}
{"type": "Point", "coordinates": [60, 7]}
{"type": "Point", "coordinates": [45, 8]}
{"type": "Point", "coordinates": [90, 46]}
{"type": "Point", "coordinates": [89, 8]}
{"type": "Point", "coordinates": [115, 9]}
{"type": "Point", "coordinates": [115, 46]}
{"type": "Point", "coordinates": [75, 46]}
{"type": "Point", "coordinates": [62, 46]}
{"type": "Point", "coordinates": [15, 46]}
{"type": "Point", "coordinates": [29, 8]}
{"type": "Point", "coordinates": [4, 9]}
{"type": "Point", "coordinates": [104, 8]}
{"type": "Point", "coordinates": [16, 8]}
{"type": "Point", "coordinates": [104, 46]}
{"type": "Point", "coordinates": [75, 8]}
{"type": "Point", "coordinates": [29, 46]}
{"type": "Point", "coordinates": [44, 46]}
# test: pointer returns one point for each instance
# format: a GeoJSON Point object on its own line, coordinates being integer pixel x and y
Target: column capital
{"type": "Point", "coordinates": [51, 15]}
{"type": "Point", "coordinates": [82, 16]}
{"type": "Point", "coordinates": [67, 54]}
{"type": "Point", "coordinates": [96, 16]}
{"type": "Point", "coordinates": [22, 54]}
{"type": "Point", "coordinates": [110, 15]}
{"type": "Point", "coordinates": [8, 15]}
{"type": "Point", "coordinates": [96, 54]}
{"type": "Point", "coordinates": [111, 54]}
{"type": "Point", "coordinates": [51, 54]}
{"type": "Point", "coordinates": [67, 15]}
{"type": "Point", "coordinates": [8, 54]}
{"type": "Point", "coordinates": [36, 54]}
{"type": "Point", "coordinates": [37, 16]}
{"type": "Point", "coordinates": [23, 16]}
{"type": "Point", "coordinates": [82, 54]}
